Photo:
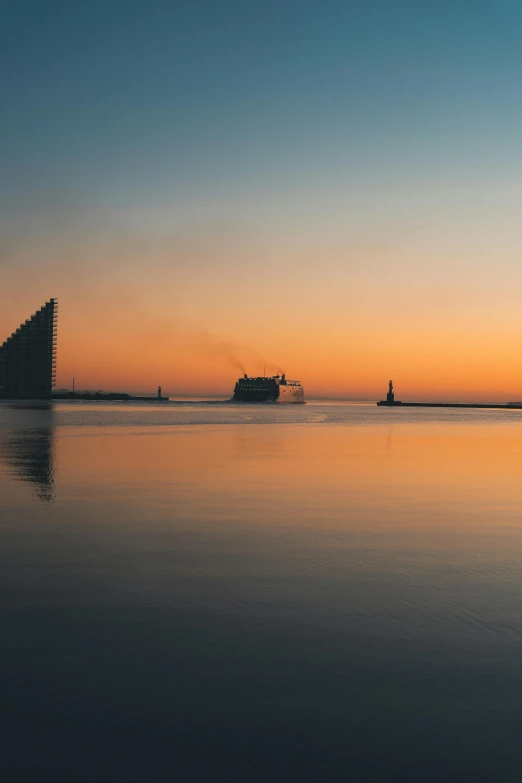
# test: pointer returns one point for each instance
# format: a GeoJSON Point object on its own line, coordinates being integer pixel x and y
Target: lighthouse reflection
{"type": "Point", "coordinates": [29, 452]}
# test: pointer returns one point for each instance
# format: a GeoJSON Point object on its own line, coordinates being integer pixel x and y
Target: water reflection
{"type": "Point", "coordinates": [234, 582]}
{"type": "Point", "coordinates": [28, 451]}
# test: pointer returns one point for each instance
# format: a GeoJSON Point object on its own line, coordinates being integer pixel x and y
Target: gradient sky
{"type": "Point", "coordinates": [328, 188]}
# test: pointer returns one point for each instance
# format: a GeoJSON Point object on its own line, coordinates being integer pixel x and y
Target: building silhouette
{"type": "Point", "coordinates": [28, 357]}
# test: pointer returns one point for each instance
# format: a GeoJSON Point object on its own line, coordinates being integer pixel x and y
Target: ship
{"type": "Point", "coordinates": [268, 389]}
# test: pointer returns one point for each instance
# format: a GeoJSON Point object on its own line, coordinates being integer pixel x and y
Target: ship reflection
{"type": "Point", "coordinates": [29, 454]}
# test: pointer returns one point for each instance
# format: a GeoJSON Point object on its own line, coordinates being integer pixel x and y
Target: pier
{"type": "Point", "coordinates": [391, 402]}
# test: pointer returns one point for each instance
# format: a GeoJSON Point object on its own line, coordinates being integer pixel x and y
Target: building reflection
{"type": "Point", "coordinates": [29, 454]}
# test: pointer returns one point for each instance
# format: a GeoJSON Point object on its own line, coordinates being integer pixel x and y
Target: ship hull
{"type": "Point", "coordinates": [253, 397]}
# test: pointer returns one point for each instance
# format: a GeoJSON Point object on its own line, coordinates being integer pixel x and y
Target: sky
{"type": "Point", "coordinates": [330, 189]}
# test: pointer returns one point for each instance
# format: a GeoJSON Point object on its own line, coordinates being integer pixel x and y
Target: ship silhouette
{"type": "Point", "coordinates": [275, 388]}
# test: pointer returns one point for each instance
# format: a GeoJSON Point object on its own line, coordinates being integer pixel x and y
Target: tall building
{"type": "Point", "coordinates": [28, 357]}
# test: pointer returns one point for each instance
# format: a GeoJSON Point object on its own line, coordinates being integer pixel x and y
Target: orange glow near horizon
{"type": "Point", "coordinates": [121, 352]}
{"type": "Point", "coordinates": [192, 316]}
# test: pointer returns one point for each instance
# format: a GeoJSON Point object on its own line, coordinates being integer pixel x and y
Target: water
{"type": "Point", "coordinates": [232, 592]}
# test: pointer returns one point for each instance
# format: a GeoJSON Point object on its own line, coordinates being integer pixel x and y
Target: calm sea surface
{"type": "Point", "coordinates": [212, 592]}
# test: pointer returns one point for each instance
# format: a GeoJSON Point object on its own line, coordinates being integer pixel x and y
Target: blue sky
{"type": "Point", "coordinates": [165, 97]}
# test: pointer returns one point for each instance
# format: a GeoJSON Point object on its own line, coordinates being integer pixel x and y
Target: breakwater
{"type": "Point", "coordinates": [398, 404]}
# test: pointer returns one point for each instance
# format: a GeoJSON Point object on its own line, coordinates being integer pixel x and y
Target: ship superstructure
{"type": "Point", "coordinates": [268, 389]}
